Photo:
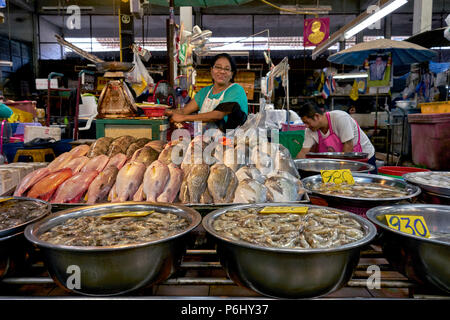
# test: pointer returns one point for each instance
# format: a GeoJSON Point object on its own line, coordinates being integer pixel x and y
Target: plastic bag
{"type": "Point", "coordinates": [139, 77]}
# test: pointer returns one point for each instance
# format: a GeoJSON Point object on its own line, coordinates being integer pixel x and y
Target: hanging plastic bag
{"type": "Point", "coordinates": [139, 77]}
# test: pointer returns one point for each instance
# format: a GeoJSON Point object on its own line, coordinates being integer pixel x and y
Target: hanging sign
{"type": "Point", "coordinates": [315, 31]}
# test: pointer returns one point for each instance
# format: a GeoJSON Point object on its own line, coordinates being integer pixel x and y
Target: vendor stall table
{"type": "Point", "coordinates": [156, 128]}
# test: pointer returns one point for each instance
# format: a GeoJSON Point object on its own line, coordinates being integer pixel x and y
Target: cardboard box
{"type": "Point", "coordinates": [32, 132]}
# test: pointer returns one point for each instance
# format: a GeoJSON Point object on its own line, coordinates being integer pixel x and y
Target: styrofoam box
{"type": "Point", "coordinates": [24, 169]}
{"type": "Point", "coordinates": [32, 132]}
{"type": "Point", "coordinates": [9, 178]}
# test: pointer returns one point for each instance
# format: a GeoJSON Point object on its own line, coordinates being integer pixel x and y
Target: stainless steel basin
{"type": "Point", "coordinates": [424, 260]}
{"type": "Point", "coordinates": [112, 270]}
{"type": "Point", "coordinates": [309, 167]}
{"type": "Point", "coordinates": [288, 273]}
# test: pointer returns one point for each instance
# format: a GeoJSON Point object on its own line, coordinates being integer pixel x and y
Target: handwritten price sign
{"type": "Point", "coordinates": [297, 210]}
{"type": "Point", "coordinates": [337, 176]}
{"type": "Point", "coordinates": [414, 225]}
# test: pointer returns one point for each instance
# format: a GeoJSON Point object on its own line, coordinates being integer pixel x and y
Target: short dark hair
{"type": "Point", "coordinates": [309, 109]}
{"type": "Point", "coordinates": [230, 59]}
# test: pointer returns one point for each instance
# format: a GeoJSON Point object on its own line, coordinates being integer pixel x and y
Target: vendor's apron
{"type": "Point", "coordinates": [332, 143]}
{"type": "Point", "coordinates": [209, 105]}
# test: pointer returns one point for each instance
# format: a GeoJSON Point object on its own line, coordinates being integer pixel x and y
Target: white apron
{"type": "Point", "coordinates": [208, 105]}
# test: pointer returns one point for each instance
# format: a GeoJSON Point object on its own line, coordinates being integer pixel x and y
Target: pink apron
{"type": "Point", "coordinates": [332, 143]}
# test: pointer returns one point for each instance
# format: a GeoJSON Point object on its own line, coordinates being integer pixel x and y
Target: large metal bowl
{"type": "Point", "coordinates": [288, 273]}
{"type": "Point", "coordinates": [338, 155]}
{"type": "Point", "coordinates": [413, 191]}
{"type": "Point", "coordinates": [412, 178]}
{"type": "Point", "coordinates": [425, 260]}
{"type": "Point", "coordinates": [46, 209]}
{"type": "Point", "coordinates": [113, 270]}
{"type": "Point", "coordinates": [309, 167]}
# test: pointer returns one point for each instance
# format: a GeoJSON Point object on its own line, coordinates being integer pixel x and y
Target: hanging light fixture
{"type": "Point", "coordinates": [385, 9]}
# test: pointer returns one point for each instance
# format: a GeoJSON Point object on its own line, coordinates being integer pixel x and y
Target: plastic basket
{"type": "Point", "coordinates": [435, 107]}
{"type": "Point", "coordinates": [398, 172]}
{"type": "Point", "coordinates": [292, 140]}
{"type": "Point", "coordinates": [153, 111]}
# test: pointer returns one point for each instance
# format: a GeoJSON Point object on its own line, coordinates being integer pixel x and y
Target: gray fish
{"type": "Point", "coordinates": [145, 155]}
{"type": "Point", "coordinates": [250, 191]}
{"type": "Point", "coordinates": [197, 181]}
{"type": "Point", "coordinates": [120, 145]}
{"type": "Point", "coordinates": [281, 190]}
{"type": "Point", "coordinates": [222, 183]}
{"type": "Point", "coordinates": [100, 146]}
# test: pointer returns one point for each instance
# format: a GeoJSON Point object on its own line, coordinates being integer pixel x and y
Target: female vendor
{"type": "Point", "coordinates": [221, 105]}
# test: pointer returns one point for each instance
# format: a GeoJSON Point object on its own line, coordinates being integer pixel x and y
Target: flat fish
{"type": "Point", "coordinates": [60, 162]}
{"type": "Point", "coordinates": [77, 164]}
{"type": "Point", "coordinates": [145, 155]}
{"type": "Point", "coordinates": [222, 183]}
{"type": "Point", "coordinates": [101, 185]}
{"type": "Point", "coordinates": [97, 163]}
{"type": "Point", "coordinates": [29, 180]}
{"type": "Point", "coordinates": [197, 181]}
{"type": "Point", "coordinates": [173, 152]}
{"type": "Point", "coordinates": [281, 190]}
{"type": "Point", "coordinates": [46, 187]}
{"type": "Point", "coordinates": [155, 179]}
{"type": "Point", "coordinates": [172, 186]}
{"type": "Point", "coordinates": [157, 145]}
{"type": "Point", "coordinates": [206, 197]}
{"type": "Point", "coordinates": [250, 191]}
{"type": "Point", "coordinates": [140, 143]}
{"type": "Point", "coordinates": [118, 161]}
{"type": "Point", "coordinates": [74, 188]}
{"type": "Point", "coordinates": [120, 145]}
{"type": "Point", "coordinates": [250, 172]}
{"type": "Point", "coordinates": [100, 146]}
{"type": "Point", "coordinates": [128, 181]}
{"type": "Point", "coordinates": [80, 150]}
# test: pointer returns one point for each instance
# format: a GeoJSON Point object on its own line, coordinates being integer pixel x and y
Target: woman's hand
{"type": "Point", "coordinates": [176, 117]}
{"type": "Point", "coordinates": [168, 112]}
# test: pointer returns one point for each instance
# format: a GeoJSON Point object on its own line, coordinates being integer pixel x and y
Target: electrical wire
{"type": "Point", "coordinates": [289, 10]}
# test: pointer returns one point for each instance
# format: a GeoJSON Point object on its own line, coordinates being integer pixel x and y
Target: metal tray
{"type": "Point", "coordinates": [20, 227]}
{"type": "Point", "coordinates": [312, 166]}
{"type": "Point", "coordinates": [413, 190]}
{"type": "Point", "coordinates": [411, 178]}
{"type": "Point", "coordinates": [338, 155]}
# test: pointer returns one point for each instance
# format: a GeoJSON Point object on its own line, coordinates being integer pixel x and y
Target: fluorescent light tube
{"type": "Point", "coordinates": [350, 76]}
{"type": "Point", "coordinates": [384, 11]}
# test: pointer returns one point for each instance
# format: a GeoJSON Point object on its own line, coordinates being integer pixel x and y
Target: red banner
{"type": "Point", "coordinates": [315, 31]}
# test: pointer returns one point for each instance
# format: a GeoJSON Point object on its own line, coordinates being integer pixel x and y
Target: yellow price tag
{"type": "Point", "coordinates": [337, 176]}
{"type": "Point", "coordinates": [295, 210]}
{"type": "Point", "coordinates": [127, 214]}
{"type": "Point", "coordinates": [414, 225]}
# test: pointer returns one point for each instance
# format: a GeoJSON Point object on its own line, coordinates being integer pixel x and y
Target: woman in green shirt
{"type": "Point", "coordinates": [221, 105]}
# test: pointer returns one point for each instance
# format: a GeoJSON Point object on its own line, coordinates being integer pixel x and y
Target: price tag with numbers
{"type": "Point", "coordinates": [297, 210]}
{"type": "Point", "coordinates": [414, 225]}
{"type": "Point", "coordinates": [337, 176]}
